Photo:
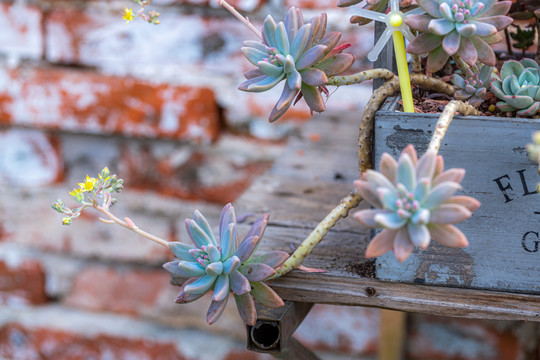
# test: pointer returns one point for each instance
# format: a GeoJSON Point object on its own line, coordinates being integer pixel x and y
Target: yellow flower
{"type": "Point", "coordinates": [77, 194]}
{"type": "Point", "coordinates": [128, 15]}
{"type": "Point", "coordinates": [66, 220]}
{"type": "Point", "coordinates": [88, 184]}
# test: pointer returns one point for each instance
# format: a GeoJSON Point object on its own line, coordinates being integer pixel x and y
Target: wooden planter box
{"type": "Point", "coordinates": [504, 234]}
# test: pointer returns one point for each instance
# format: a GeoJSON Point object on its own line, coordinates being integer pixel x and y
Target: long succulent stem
{"type": "Point", "coordinates": [366, 125]}
{"type": "Point", "coordinates": [128, 224]}
{"type": "Point", "coordinates": [433, 84]}
{"type": "Point", "coordinates": [446, 118]}
{"type": "Point", "coordinates": [239, 16]}
{"type": "Point", "coordinates": [360, 77]}
{"type": "Point", "coordinates": [316, 236]}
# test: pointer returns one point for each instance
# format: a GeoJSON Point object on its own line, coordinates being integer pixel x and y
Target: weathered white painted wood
{"type": "Point", "coordinates": [504, 235]}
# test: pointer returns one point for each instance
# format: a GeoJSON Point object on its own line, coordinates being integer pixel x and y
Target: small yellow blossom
{"type": "Point", "coordinates": [88, 184]}
{"type": "Point", "coordinates": [66, 220]}
{"type": "Point", "coordinates": [128, 15]}
{"type": "Point", "coordinates": [77, 194]}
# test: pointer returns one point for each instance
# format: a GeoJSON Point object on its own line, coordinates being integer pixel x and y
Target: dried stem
{"type": "Point", "coordinates": [366, 125]}
{"type": "Point", "coordinates": [128, 224]}
{"type": "Point", "coordinates": [316, 236]}
{"type": "Point", "coordinates": [417, 63]}
{"type": "Point", "coordinates": [446, 118]}
{"type": "Point", "coordinates": [239, 16]}
{"type": "Point", "coordinates": [360, 77]}
{"type": "Point", "coordinates": [433, 84]}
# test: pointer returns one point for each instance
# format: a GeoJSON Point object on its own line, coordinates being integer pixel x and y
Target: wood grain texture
{"type": "Point", "coordinates": [301, 189]}
{"type": "Point", "coordinates": [503, 234]}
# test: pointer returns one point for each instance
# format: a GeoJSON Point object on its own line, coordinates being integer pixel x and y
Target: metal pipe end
{"type": "Point", "coordinates": [266, 335]}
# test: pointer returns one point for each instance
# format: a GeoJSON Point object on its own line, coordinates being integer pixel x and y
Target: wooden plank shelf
{"type": "Point", "coordinates": [305, 183]}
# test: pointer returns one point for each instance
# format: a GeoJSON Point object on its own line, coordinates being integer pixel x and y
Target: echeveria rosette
{"type": "Point", "coordinates": [414, 203]}
{"type": "Point", "coordinates": [474, 85]}
{"type": "Point", "coordinates": [518, 87]}
{"type": "Point", "coordinates": [301, 54]}
{"type": "Point", "coordinates": [225, 266]}
{"type": "Point", "coordinates": [458, 27]}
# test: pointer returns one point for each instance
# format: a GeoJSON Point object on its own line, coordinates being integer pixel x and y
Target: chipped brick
{"type": "Point", "coordinates": [83, 101]}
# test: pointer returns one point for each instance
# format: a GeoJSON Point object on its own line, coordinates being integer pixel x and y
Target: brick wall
{"type": "Point", "coordinates": [157, 104]}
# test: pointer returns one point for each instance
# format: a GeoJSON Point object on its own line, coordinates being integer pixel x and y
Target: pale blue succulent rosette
{"type": "Point", "coordinates": [225, 265]}
{"type": "Point", "coordinates": [413, 202]}
{"type": "Point", "coordinates": [518, 87]}
{"type": "Point", "coordinates": [465, 28]}
{"type": "Point", "coordinates": [300, 54]}
{"type": "Point", "coordinates": [473, 85]}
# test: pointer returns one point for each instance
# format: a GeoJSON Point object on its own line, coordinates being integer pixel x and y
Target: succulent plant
{"type": "Point", "coordinates": [225, 266]}
{"type": "Point", "coordinates": [458, 27]}
{"type": "Point", "coordinates": [473, 86]}
{"type": "Point", "coordinates": [518, 87]}
{"type": "Point", "coordinates": [301, 54]}
{"type": "Point", "coordinates": [413, 203]}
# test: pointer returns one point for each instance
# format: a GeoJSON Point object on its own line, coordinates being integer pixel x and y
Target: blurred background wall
{"type": "Point", "coordinates": [80, 90]}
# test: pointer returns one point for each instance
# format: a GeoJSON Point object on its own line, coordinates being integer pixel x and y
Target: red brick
{"type": "Point", "coordinates": [19, 342]}
{"type": "Point", "coordinates": [189, 46]}
{"type": "Point", "coordinates": [29, 158]}
{"type": "Point", "coordinates": [127, 291]}
{"type": "Point", "coordinates": [340, 329]}
{"type": "Point", "coordinates": [22, 283]}
{"type": "Point", "coordinates": [241, 5]}
{"type": "Point", "coordinates": [440, 338]}
{"type": "Point", "coordinates": [312, 4]}
{"type": "Point", "coordinates": [209, 175]}
{"type": "Point", "coordinates": [84, 101]}
{"type": "Point", "coordinates": [21, 34]}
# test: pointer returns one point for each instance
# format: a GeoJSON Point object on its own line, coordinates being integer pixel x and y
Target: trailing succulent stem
{"type": "Point", "coordinates": [446, 118]}
{"type": "Point", "coordinates": [379, 96]}
{"type": "Point", "coordinates": [320, 231]}
{"type": "Point", "coordinates": [360, 77]}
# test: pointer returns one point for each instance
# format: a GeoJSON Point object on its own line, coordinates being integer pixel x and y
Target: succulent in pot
{"type": "Point", "coordinates": [518, 87]}
{"type": "Point", "coordinates": [473, 86]}
{"type": "Point", "coordinates": [465, 28]}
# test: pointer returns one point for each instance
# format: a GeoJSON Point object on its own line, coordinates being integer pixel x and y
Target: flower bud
{"type": "Point", "coordinates": [66, 220]}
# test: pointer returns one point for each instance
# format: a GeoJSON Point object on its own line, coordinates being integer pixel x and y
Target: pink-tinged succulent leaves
{"type": "Point", "coordinates": [473, 86]}
{"type": "Point", "coordinates": [518, 87]}
{"type": "Point", "coordinates": [300, 54]}
{"type": "Point", "coordinates": [225, 265]}
{"type": "Point", "coordinates": [414, 203]}
{"type": "Point", "coordinates": [458, 27]}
